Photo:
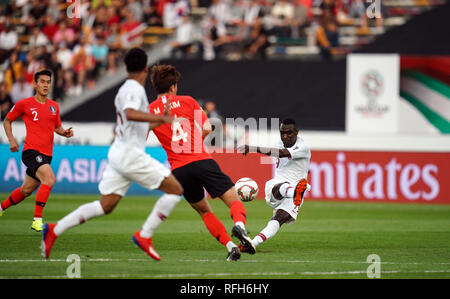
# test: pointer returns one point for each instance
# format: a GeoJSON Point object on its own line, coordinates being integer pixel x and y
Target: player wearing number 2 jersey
{"type": "Point", "coordinates": [127, 163]}
{"type": "Point", "coordinates": [42, 119]}
{"type": "Point", "coordinates": [191, 164]}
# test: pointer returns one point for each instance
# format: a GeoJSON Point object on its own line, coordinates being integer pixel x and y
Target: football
{"type": "Point", "coordinates": [247, 189]}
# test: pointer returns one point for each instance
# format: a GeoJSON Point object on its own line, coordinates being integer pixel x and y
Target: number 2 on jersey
{"type": "Point", "coordinates": [35, 118]}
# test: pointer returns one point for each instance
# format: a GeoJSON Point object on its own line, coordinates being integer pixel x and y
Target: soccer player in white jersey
{"type": "Point", "coordinates": [284, 193]}
{"type": "Point", "coordinates": [127, 163]}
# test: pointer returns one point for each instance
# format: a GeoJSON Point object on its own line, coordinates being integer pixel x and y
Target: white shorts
{"type": "Point", "coordinates": [286, 204]}
{"type": "Point", "coordinates": [128, 164]}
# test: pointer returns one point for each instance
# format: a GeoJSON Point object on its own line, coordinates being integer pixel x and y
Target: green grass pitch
{"type": "Point", "coordinates": [329, 240]}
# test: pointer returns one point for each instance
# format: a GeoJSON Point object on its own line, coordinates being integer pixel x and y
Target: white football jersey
{"type": "Point", "coordinates": [132, 133]}
{"type": "Point", "coordinates": [295, 168]}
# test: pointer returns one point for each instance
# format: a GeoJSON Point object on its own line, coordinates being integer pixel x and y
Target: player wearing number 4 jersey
{"type": "Point", "coordinates": [42, 119]}
{"type": "Point", "coordinates": [191, 164]}
{"type": "Point", "coordinates": [284, 193]}
{"type": "Point", "coordinates": [127, 163]}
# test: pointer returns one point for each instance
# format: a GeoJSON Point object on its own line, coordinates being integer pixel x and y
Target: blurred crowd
{"type": "Point", "coordinates": [244, 29]}
{"type": "Point", "coordinates": [80, 40]}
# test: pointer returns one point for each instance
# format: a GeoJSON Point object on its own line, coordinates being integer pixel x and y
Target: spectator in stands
{"type": "Point", "coordinates": [83, 65]}
{"type": "Point", "coordinates": [5, 101]}
{"type": "Point", "coordinates": [64, 34]}
{"type": "Point", "coordinates": [184, 37]}
{"type": "Point", "coordinates": [50, 28]}
{"type": "Point", "coordinates": [210, 110]}
{"type": "Point", "coordinates": [32, 66]}
{"type": "Point", "coordinates": [258, 42]}
{"type": "Point", "coordinates": [220, 10]}
{"type": "Point", "coordinates": [38, 38]}
{"type": "Point", "coordinates": [101, 16]}
{"type": "Point", "coordinates": [113, 17]}
{"type": "Point", "coordinates": [21, 52]}
{"type": "Point", "coordinates": [13, 71]}
{"type": "Point", "coordinates": [38, 9]}
{"type": "Point", "coordinates": [8, 41]}
{"type": "Point", "coordinates": [136, 9]}
{"type": "Point", "coordinates": [53, 9]}
{"type": "Point", "coordinates": [21, 89]}
{"type": "Point", "coordinates": [282, 13]}
{"type": "Point", "coordinates": [214, 38]}
{"type": "Point", "coordinates": [327, 35]}
{"type": "Point", "coordinates": [64, 57]}
{"type": "Point", "coordinates": [131, 31]}
{"type": "Point", "coordinates": [113, 42]}
{"type": "Point", "coordinates": [357, 10]}
{"type": "Point", "coordinates": [100, 54]}
{"type": "Point", "coordinates": [151, 14]}
{"type": "Point", "coordinates": [251, 12]}
{"type": "Point", "coordinates": [173, 12]}
{"type": "Point", "coordinates": [299, 18]}
{"type": "Point", "coordinates": [328, 7]}
{"type": "Point", "coordinates": [57, 79]}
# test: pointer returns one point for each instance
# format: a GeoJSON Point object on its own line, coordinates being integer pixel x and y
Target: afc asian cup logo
{"type": "Point", "coordinates": [372, 84]}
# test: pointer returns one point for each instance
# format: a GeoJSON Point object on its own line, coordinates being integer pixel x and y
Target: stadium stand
{"type": "Point", "coordinates": [83, 41]}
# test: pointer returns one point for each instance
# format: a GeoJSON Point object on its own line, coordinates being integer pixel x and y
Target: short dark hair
{"type": "Point", "coordinates": [42, 73]}
{"type": "Point", "coordinates": [289, 121]}
{"type": "Point", "coordinates": [164, 76]}
{"type": "Point", "coordinates": [135, 60]}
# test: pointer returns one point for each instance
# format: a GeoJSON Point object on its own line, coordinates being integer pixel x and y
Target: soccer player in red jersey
{"type": "Point", "coordinates": [190, 162]}
{"type": "Point", "coordinates": [41, 117]}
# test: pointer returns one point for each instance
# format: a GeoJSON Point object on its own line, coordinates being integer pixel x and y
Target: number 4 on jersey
{"type": "Point", "coordinates": [177, 132]}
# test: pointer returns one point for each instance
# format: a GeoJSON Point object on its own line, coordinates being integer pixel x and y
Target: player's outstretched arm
{"type": "Point", "coordinates": [136, 115]}
{"type": "Point", "coordinates": [13, 146]}
{"type": "Point", "coordinates": [269, 151]}
{"type": "Point", "coordinates": [64, 132]}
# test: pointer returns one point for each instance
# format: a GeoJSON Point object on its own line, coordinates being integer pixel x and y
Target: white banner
{"type": "Point", "coordinates": [372, 101]}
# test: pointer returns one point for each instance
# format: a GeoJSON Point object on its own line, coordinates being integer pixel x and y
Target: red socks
{"type": "Point", "coordinates": [216, 228]}
{"type": "Point", "coordinates": [41, 199]}
{"type": "Point", "coordinates": [237, 212]}
{"type": "Point", "coordinates": [15, 197]}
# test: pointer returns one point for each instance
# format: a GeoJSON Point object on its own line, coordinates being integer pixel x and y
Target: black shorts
{"type": "Point", "coordinates": [33, 160]}
{"type": "Point", "coordinates": [202, 174]}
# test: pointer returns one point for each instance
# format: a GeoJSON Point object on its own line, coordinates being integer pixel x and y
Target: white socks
{"type": "Point", "coordinates": [240, 224]}
{"type": "Point", "coordinates": [79, 216]}
{"type": "Point", "coordinates": [287, 190]}
{"type": "Point", "coordinates": [161, 211]}
{"type": "Point", "coordinates": [268, 232]}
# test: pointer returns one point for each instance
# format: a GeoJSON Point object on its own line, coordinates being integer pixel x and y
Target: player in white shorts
{"type": "Point", "coordinates": [127, 163]}
{"type": "Point", "coordinates": [284, 193]}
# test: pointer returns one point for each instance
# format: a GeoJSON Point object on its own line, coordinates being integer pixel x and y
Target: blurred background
{"type": "Point", "coordinates": [367, 81]}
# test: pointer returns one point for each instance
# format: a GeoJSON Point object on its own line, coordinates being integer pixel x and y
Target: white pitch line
{"type": "Point", "coordinates": [216, 260]}
{"type": "Point", "coordinates": [186, 275]}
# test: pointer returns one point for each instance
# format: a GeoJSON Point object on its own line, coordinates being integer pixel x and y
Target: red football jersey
{"type": "Point", "coordinates": [40, 121]}
{"type": "Point", "coordinates": [182, 140]}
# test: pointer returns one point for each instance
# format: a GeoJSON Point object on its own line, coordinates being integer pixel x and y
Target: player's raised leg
{"type": "Point", "coordinates": [271, 229]}
{"type": "Point", "coordinates": [162, 209]}
{"type": "Point", "coordinates": [45, 174]}
{"type": "Point", "coordinates": [19, 194]}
